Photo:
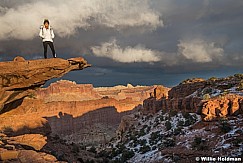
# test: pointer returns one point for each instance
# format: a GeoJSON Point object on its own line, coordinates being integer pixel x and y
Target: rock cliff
{"type": "Point", "coordinates": [213, 98]}
{"type": "Point", "coordinates": [24, 138]}
{"type": "Point", "coordinates": [79, 111]}
{"type": "Point", "coordinates": [19, 78]}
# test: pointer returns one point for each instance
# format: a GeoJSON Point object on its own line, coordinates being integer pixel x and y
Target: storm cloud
{"type": "Point", "coordinates": [155, 37]}
{"type": "Point", "coordinates": [21, 22]}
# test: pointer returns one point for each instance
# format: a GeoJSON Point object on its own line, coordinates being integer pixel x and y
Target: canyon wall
{"type": "Point", "coordinates": [80, 112]}
{"type": "Point", "coordinates": [211, 98]}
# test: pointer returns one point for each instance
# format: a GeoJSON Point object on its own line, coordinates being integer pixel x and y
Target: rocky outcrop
{"type": "Point", "coordinates": [221, 107]}
{"type": "Point", "coordinates": [186, 88]}
{"type": "Point", "coordinates": [211, 98]}
{"type": "Point", "coordinates": [26, 135]}
{"type": "Point", "coordinates": [19, 78]}
{"type": "Point", "coordinates": [36, 141]}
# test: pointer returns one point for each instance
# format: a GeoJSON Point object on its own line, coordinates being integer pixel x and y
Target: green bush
{"type": "Point", "coordinates": [155, 137]}
{"type": "Point", "coordinates": [180, 123]}
{"type": "Point", "coordinates": [240, 86]}
{"type": "Point", "coordinates": [186, 115]}
{"type": "Point", "coordinates": [177, 131]}
{"type": "Point", "coordinates": [92, 149]}
{"type": "Point", "coordinates": [237, 142]}
{"type": "Point", "coordinates": [206, 96]}
{"type": "Point", "coordinates": [126, 155]}
{"type": "Point", "coordinates": [168, 125]}
{"type": "Point", "coordinates": [104, 154]}
{"type": "Point", "coordinates": [213, 78]}
{"type": "Point", "coordinates": [224, 126]}
{"type": "Point", "coordinates": [169, 142]}
{"type": "Point", "coordinates": [144, 149]}
{"type": "Point", "coordinates": [239, 76]}
{"type": "Point", "coordinates": [142, 142]}
{"type": "Point", "coordinates": [173, 113]}
{"type": "Point", "coordinates": [32, 95]}
{"type": "Point", "coordinates": [189, 119]}
{"type": "Point", "coordinates": [199, 144]}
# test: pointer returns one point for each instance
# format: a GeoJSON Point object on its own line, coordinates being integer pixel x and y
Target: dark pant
{"type": "Point", "coordinates": [51, 46]}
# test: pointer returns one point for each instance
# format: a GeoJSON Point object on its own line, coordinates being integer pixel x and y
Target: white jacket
{"type": "Point", "coordinates": [46, 34]}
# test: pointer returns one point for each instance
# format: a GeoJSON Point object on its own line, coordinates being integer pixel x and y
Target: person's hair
{"type": "Point", "coordinates": [46, 21]}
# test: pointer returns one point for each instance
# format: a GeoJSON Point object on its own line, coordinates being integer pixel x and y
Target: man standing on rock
{"type": "Point", "coordinates": [47, 35]}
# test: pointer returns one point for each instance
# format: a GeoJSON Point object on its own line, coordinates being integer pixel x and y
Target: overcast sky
{"type": "Point", "coordinates": [140, 41]}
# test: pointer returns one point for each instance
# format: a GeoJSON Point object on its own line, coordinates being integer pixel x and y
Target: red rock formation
{"type": "Point", "coordinates": [18, 78]}
{"type": "Point", "coordinates": [186, 89]}
{"type": "Point", "coordinates": [68, 91]}
{"type": "Point", "coordinates": [189, 95]}
{"type": "Point", "coordinates": [222, 106]}
{"type": "Point", "coordinates": [75, 101]}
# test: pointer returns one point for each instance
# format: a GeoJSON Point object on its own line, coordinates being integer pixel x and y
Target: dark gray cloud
{"type": "Point", "coordinates": [158, 38]}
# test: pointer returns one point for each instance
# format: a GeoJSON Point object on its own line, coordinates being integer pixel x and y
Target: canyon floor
{"type": "Point", "coordinates": [69, 122]}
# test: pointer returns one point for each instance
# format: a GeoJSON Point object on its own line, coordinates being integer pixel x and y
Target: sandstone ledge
{"type": "Point", "coordinates": [19, 77]}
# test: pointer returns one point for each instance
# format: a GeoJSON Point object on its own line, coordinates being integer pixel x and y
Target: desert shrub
{"type": "Point", "coordinates": [148, 129]}
{"type": "Point", "coordinates": [169, 142]}
{"type": "Point", "coordinates": [239, 76]}
{"type": "Point", "coordinates": [189, 119]}
{"type": "Point", "coordinates": [92, 149]}
{"type": "Point", "coordinates": [144, 149]}
{"type": "Point", "coordinates": [177, 131]}
{"type": "Point", "coordinates": [161, 118]}
{"type": "Point", "coordinates": [75, 148]}
{"type": "Point", "coordinates": [141, 133]}
{"type": "Point", "coordinates": [32, 95]}
{"type": "Point", "coordinates": [168, 125]}
{"type": "Point", "coordinates": [186, 115]}
{"type": "Point", "coordinates": [237, 142]}
{"type": "Point", "coordinates": [206, 96]}
{"type": "Point", "coordinates": [89, 161]}
{"type": "Point", "coordinates": [136, 116]}
{"type": "Point", "coordinates": [199, 144]}
{"type": "Point", "coordinates": [180, 123]}
{"type": "Point", "coordinates": [213, 78]}
{"type": "Point", "coordinates": [154, 147]}
{"type": "Point", "coordinates": [207, 90]}
{"type": "Point", "coordinates": [240, 86]}
{"type": "Point", "coordinates": [114, 152]}
{"type": "Point", "coordinates": [173, 113]}
{"type": "Point", "coordinates": [126, 155]}
{"type": "Point", "coordinates": [104, 154]}
{"type": "Point", "coordinates": [142, 142]}
{"type": "Point", "coordinates": [155, 137]}
{"type": "Point", "coordinates": [224, 126]}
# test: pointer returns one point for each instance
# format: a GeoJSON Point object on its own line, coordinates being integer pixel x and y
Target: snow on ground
{"type": "Point", "coordinates": [155, 133]}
